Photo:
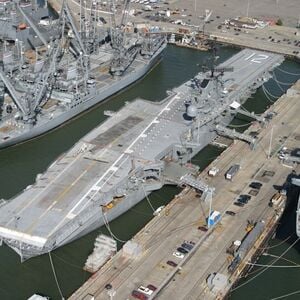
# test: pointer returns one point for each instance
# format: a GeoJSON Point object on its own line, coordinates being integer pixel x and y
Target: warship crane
{"type": "Point", "coordinates": [125, 13]}
{"type": "Point", "coordinates": [66, 12]}
{"type": "Point", "coordinates": [18, 100]}
{"type": "Point", "coordinates": [117, 36]}
{"type": "Point", "coordinates": [41, 86]}
{"type": "Point", "coordinates": [32, 25]}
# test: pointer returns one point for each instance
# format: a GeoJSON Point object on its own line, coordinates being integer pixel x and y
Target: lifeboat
{"type": "Point", "coordinates": [22, 26]}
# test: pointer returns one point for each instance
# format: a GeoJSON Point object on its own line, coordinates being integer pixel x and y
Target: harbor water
{"type": "Point", "coordinates": [21, 164]}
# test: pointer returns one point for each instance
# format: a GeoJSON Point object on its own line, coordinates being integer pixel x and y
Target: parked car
{"type": "Point", "coordinates": [230, 213]}
{"type": "Point", "coordinates": [178, 254]}
{"type": "Point", "coordinates": [202, 228]}
{"type": "Point", "coordinates": [171, 263]}
{"type": "Point", "coordinates": [244, 199]}
{"type": "Point", "coordinates": [182, 250]}
{"type": "Point", "coordinates": [187, 246]}
{"type": "Point", "coordinates": [255, 185]}
{"type": "Point", "coordinates": [139, 295]}
{"type": "Point", "coordinates": [145, 290]}
{"type": "Point", "coordinates": [151, 287]}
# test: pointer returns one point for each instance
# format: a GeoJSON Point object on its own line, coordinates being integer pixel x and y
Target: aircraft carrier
{"type": "Point", "coordinates": [136, 151]}
{"type": "Point", "coordinates": [70, 74]}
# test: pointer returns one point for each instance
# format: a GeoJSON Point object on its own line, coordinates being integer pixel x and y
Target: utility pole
{"type": "Point", "coordinates": [110, 291]}
{"type": "Point", "coordinates": [209, 198]}
{"type": "Point", "coordinates": [270, 145]}
{"type": "Point", "coordinates": [247, 12]}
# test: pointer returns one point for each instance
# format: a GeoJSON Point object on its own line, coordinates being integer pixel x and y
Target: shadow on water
{"type": "Point", "coordinates": [268, 283]}
{"type": "Point", "coordinates": [274, 282]}
{"type": "Point", "coordinates": [265, 97]}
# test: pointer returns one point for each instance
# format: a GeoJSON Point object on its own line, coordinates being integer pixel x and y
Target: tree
{"type": "Point", "coordinates": [279, 22]}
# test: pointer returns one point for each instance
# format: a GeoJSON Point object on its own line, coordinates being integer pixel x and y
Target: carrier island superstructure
{"type": "Point", "coordinates": [70, 74]}
{"type": "Point", "coordinates": [136, 151]}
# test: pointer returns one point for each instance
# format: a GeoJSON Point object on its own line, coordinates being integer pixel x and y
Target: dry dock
{"type": "Point", "coordinates": [180, 220]}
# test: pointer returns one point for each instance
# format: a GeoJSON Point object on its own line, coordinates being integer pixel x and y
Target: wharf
{"type": "Point", "coordinates": [180, 219]}
{"type": "Point", "coordinates": [276, 39]}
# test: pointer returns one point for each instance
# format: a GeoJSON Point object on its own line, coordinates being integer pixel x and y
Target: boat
{"type": "Point", "coordinates": [158, 210]}
{"type": "Point", "coordinates": [75, 73]}
{"type": "Point", "coordinates": [137, 150]}
{"type": "Point", "coordinates": [38, 297]}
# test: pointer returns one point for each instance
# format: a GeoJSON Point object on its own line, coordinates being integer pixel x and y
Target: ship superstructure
{"type": "Point", "coordinates": [21, 19]}
{"type": "Point", "coordinates": [136, 151]}
{"type": "Point", "coordinates": [70, 75]}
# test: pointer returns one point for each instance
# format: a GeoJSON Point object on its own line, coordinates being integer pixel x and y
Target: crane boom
{"type": "Point", "coordinates": [125, 13]}
{"type": "Point", "coordinates": [70, 20]}
{"type": "Point", "coordinates": [41, 87]}
{"type": "Point", "coordinates": [112, 9]}
{"type": "Point", "coordinates": [33, 26]}
{"type": "Point", "coordinates": [13, 93]}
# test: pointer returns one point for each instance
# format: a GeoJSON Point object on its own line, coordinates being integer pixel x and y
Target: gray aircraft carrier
{"type": "Point", "coordinates": [136, 151]}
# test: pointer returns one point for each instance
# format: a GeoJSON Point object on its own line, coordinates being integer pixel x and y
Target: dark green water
{"type": "Point", "coordinates": [19, 166]}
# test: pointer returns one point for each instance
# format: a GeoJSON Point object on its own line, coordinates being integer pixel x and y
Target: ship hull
{"type": "Point", "coordinates": [97, 220]}
{"type": "Point", "coordinates": [298, 218]}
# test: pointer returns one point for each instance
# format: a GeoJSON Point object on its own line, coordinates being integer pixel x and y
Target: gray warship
{"type": "Point", "coordinates": [20, 19]}
{"type": "Point", "coordinates": [71, 74]}
{"type": "Point", "coordinates": [134, 152]}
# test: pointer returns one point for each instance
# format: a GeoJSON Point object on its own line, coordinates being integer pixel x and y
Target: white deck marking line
{"type": "Point", "coordinates": [95, 186]}
{"type": "Point", "coordinates": [54, 202]}
{"type": "Point", "coordinates": [54, 179]}
{"type": "Point", "coordinates": [47, 209]}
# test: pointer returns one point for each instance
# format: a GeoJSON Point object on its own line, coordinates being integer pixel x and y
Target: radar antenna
{"type": "Point", "coordinates": [216, 73]}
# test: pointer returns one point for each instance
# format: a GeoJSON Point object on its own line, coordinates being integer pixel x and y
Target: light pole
{"type": "Point", "coordinates": [110, 291]}
{"type": "Point", "coordinates": [247, 12]}
{"type": "Point", "coordinates": [209, 194]}
{"type": "Point", "coordinates": [270, 145]}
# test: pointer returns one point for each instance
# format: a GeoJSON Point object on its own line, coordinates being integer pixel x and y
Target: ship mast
{"type": "Point", "coordinates": [69, 19]}
{"type": "Point", "coordinates": [125, 13]}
